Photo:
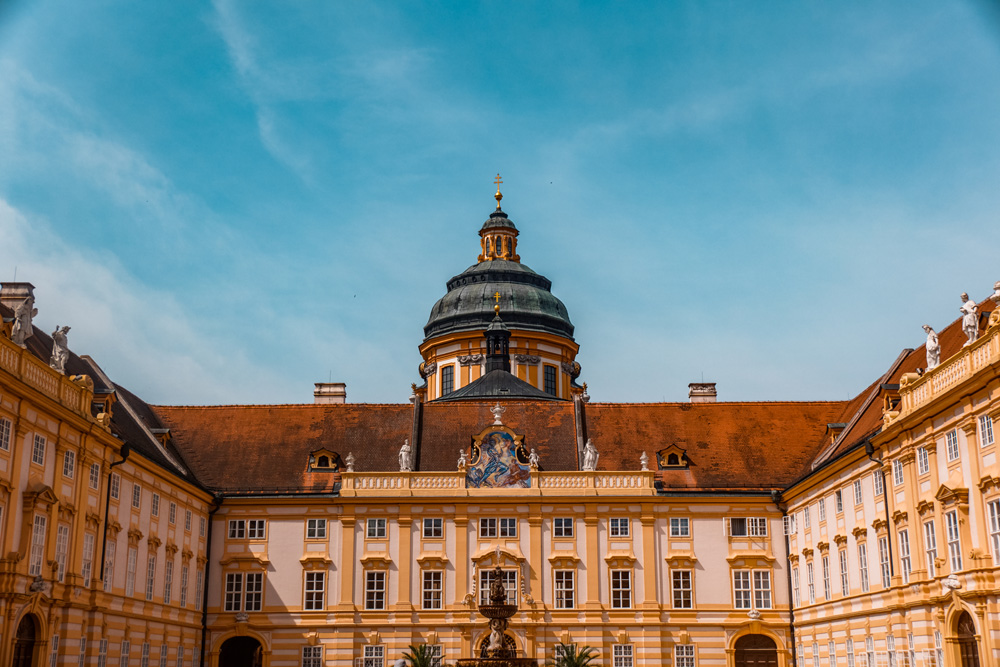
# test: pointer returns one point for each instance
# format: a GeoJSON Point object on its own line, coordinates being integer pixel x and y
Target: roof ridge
{"type": "Point", "coordinates": [279, 405]}
{"type": "Point", "coordinates": [824, 402]}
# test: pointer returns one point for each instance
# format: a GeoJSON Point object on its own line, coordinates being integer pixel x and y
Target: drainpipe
{"type": "Point", "coordinates": [123, 452]}
{"type": "Point", "coordinates": [216, 504]}
{"type": "Point", "coordinates": [776, 499]}
{"type": "Point", "coordinates": [870, 451]}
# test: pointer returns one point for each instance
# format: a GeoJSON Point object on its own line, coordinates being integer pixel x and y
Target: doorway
{"type": "Point", "coordinates": [756, 651]}
{"type": "Point", "coordinates": [24, 642]}
{"type": "Point", "coordinates": [968, 649]}
{"type": "Point", "coordinates": [241, 652]}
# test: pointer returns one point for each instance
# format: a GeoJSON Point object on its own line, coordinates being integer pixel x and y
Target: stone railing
{"type": "Point", "coordinates": [917, 392]}
{"type": "Point", "coordinates": [600, 483]}
{"type": "Point", "coordinates": [26, 367]}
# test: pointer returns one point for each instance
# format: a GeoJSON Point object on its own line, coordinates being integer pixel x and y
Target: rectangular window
{"type": "Point", "coordinates": [618, 527]}
{"type": "Point", "coordinates": [822, 510]}
{"type": "Point", "coordinates": [951, 444]}
{"type": "Point", "coordinates": [180, 657]}
{"type": "Point", "coordinates": [83, 652]}
{"type": "Point", "coordinates": [154, 507]}
{"type": "Point", "coordinates": [826, 578]}
{"type": "Point", "coordinates": [201, 526]}
{"type": "Point", "coordinates": [163, 655]}
{"type": "Point", "coordinates": [680, 527]}
{"type": "Point", "coordinates": [562, 527]}
{"type": "Point", "coordinates": [550, 380]}
{"type": "Point", "coordinates": [788, 521]}
{"type": "Point", "coordinates": [237, 527]}
{"type": "Point", "coordinates": [69, 464]}
{"type": "Point", "coordinates": [37, 545]}
{"type": "Point", "coordinates": [883, 561]}
{"type": "Point", "coordinates": [806, 517]}
{"type": "Point", "coordinates": [172, 513]}
{"type": "Point", "coordinates": [684, 655]}
{"type": "Point", "coordinates": [565, 589]}
{"type": "Point", "coordinates": [878, 484]}
{"type": "Point", "coordinates": [375, 590]}
{"type": "Point", "coordinates": [954, 540]}
{"type": "Point", "coordinates": [312, 656]}
{"type": "Point", "coordinates": [810, 583]}
{"type": "Point", "coordinates": [742, 591]}
{"type": "Point", "coordinates": [897, 473]}
{"type": "Point", "coordinates": [316, 590]}
{"type": "Point", "coordinates": [985, 431]}
{"type": "Point", "coordinates": [923, 461]}
{"type": "Point", "coordinates": [622, 655]}
{"type": "Point", "coordinates": [62, 546]}
{"type": "Point", "coordinates": [433, 529]}
{"type": "Point", "coordinates": [904, 555]}
{"type": "Point", "coordinates": [621, 589]}
{"type": "Point", "coordinates": [6, 426]}
{"type": "Point", "coordinates": [315, 529]}
{"type": "Point", "coordinates": [509, 583]}
{"type": "Point", "coordinates": [254, 593]}
{"type": "Point", "coordinates": [130, 564]}
{"type": "Point", "coordinates": [116, 485]}
{"type": "Point", "coordinates": [858, 497]}
{"type": "Point", "coordinates": [187, 525]}
{"type": "Point", "coordinates": [255, 527]}
{"type": "Point", "coordinates": [374, 656]}
{"type": "Point", "coordinates": [168, 581]}
{"type": "Point", "coordinates": [433, 589]}
{"type": "Point", "coordinates": [38, 451]}
{"type": "Point", "coordinates": [838, 499]}
{"type": "Point", "coordinates": [447, 380]}
{"type": "Point", "coordinates": [95, 476]}
{"type": "Point", "coordinates": [185, 571]}
{"type": "Point", "coordinates": [993, 513]}
{"type": "Point", "coordinates": [845, 582]}
{"type": "Point", "coordinates": [795, 587]}
{"type": "Point", "coordinates": [850, 653]}
{"type": "Point", "coordinates": [144, 656]}
{"type": "Point", "coordinates": [54, 655]}
{"type": "Point", "coordinates": [930, 540]}
{"type": "Point", "coordinates": [199, 583]}
{"type": "Point", "coordinates": [102, 653]}
{"type": "Point", "coordinates": [890, 645]}
{"type": "Point", "coordinates": [752, 526]}
{"type": "Point", "coordinates": [87, 572]}
{"type": "Point", "coordinates": [234, 591]}
{"type": "Point", "coordinates": [762, 589]}
{"type": "Point", "coordinates": [815, 654]}
{"type": "Point", "coordinates": [136, 496]}
{"type": "Point", "coordinates": [863, 565]}
{"type": "Point", "coordinates": [376, 529]}
{"type": "Point", "coordinates": [124, 655]}
{"type": "Point", "coordinates": [150, 575]}
{"type": "Point", "coordinates": [682, 589]}
{"type": "Point", "coordinates": [109, 566]}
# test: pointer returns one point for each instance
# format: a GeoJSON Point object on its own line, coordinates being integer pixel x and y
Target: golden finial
{"type": "Point", "coordinates": [496, 297]}
{"type": "Point", "coordinates": [498, 196]}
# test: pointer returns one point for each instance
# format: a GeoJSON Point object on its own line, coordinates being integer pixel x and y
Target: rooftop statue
{"type": "Point", "coordinates": [60, 349]}
{"type": "Point", "coordinates": [933, 348]}
{"type": "Point", "coordinates": [970, 319]}
{"type": "Point", "coordinates": [590, 456]}
{"type": "Point", "coordinates": [405, 462]}
{"type": "Point", "coordinates": [644, 461]}
{"type": "Point", "coordinates": [350, 461]}
{"type": "Point", "coordinates": [533, 459]}
{"type": "Point", "coordinates": [22, 328]}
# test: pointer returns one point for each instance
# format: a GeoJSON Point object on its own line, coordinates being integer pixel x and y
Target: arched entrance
{"type": "Point", "coordinates": [756, 651]}
{"type": "Point", "coordinates": [968, 649]}
{"type": "Point", "coordinates": [241, 652]}
{"type": "Point", "coordinates": [24, 642]}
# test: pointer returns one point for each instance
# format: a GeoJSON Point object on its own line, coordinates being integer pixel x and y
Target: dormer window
{"type": "Point", "coordinates": [672, 457]}
{"type": "Point", "coordinates": [673, 460]}
{"type": "Point", "coordinates": [324, 461]}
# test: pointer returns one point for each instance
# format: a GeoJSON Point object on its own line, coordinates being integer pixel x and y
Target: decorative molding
{"type": "Point", "coordinates": [527, 358]}
{"type": "Point", "coordinates": [681, 559]}
{"type": "Point", "coordinates": [793, 558]}
{"type": "Point", "coordinates": [471, 359]}
{"type": "Point", "coordinates": [134, 536]}
{"type": "Point", "coordinates": [988, 482]}
{"type": "Point", "coordinates": [880, 525]}
{"type": "Point", "coordinates": [315, 561]}
{"type": "Point", "coordinates": [807, 553]}
{"type": "Point", "coordinates": [432, 559]}
{"type": "Point", "coordinates": [824, 547]}
{"type": "Point", "coordinates": [375, 561]}
{"type": "Point", "coordinates": [840, 540]}
{"type": "Point", "coordinates": [899, 516]}
{"type": "Point", "coordinates": [153, 542]}
{"type": "Point", "coordinates": [186, 556]}
{"type": "Point", "coordinates": [170, 549]}
{"type": "Point", "coordinates": [620, 558]}
{"type": "Point", "coordinates": [250, 559]}
{"type": "Point", "coordinates": [947, 497]}
{"type": "Point", "coordinates": [860, 532]}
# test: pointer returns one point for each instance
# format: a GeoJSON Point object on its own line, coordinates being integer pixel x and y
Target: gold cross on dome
{"type": "Point", "coordinates": [498, 182]}
{"type": "Point", "coordinates": [498, 196]}
{"type": "Point", "coordinates": [496, 297]}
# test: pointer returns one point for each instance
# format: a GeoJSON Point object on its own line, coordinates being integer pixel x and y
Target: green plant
{"type": "Point", "coordinates": [421, 656]}
{"type": "Point", "coordinates": [568, 655]}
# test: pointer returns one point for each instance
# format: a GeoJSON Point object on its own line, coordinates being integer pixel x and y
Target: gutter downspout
{"type": "Point", "coordinates": [870, 451]}
{"type": "Point", "coordinates": [123, 452]}
{"type": "Point", "coordinates": [776, 498]}
{"type": "Point", "coordinates": [216, 504]}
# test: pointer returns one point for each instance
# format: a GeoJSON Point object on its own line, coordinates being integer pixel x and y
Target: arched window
{"type": "Point", "coordinates": [673, 460]}
{"type": "Point", "coordinates": [323, 462]}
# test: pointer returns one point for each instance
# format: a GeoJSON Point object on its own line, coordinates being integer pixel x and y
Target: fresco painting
{"type": "Point", "coordinates": [498, 461]}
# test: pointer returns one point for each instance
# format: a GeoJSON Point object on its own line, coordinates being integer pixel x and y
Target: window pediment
{"type": "Point", "coordinates": [324, 460]}
{"type": "Point", "coordinates": [672, 456]}
{"type": "Point", "coordinates": [947, 496]}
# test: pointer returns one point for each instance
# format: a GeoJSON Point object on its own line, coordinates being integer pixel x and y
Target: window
{"type": "Point", "coordinates": [37, 545]}
{"type": "Point", "coordinates": [930, 541]}
{"type": "Point", "coordinates": [858, 497]}
{"type": "Point", "coordinates": [741, 589]}
{"type": "Point", "coordinates": [904, 555]}
{"type": "Point", "coordinates": [168, 580]}
{"type": "Point", "coordinates": [255, 527]}
{"type": "Point", "coordinates": [150, 575]}
{"type": "Point", "coordinates": [565, 589]}
{"type": "Point", "coordinates": [618, 526]}
{"type": "Point", "coordinates": [316, 590]}
{"type": "Point", "coordinates": [433, 529]}
{"type": "Point", "coordinates": [376, 529]}
{"type": "Point", "coordinates": [951, 444]}
{"type": "Point", "coordinates": [154, 507]}
{"type": "Point", "coordinates": [187, 525]}
{"type": "Point", "coordinates": [62, 545]}
{"type": "Point", "coordinates": [850, 653]}
{"type": "Point", "coordinates": [69, 464]}
{"type": "Point", "coordinates": [54, 656]}
{"type": "Point", "coordinates": [83, 652]}
{"type": "Point", "coordinates": [312, 656]}
{"type": "Point", "coordinates": [144, 656]}
{"type": "Point", "coordinates": [680, 527]}
{"type": "Point", "coordinates": [489, 527]}
{"type": "Point", "coordinates": [845, 582]}
{"type": "Point", "coordinates": [172, 513]}
{"type": "Point", "coordinates": [87, 572]}
{"type": "Point", "coordinates": [234, 591]}
{"type": "Point", "coordinates": [447, 380]}
{"type": "Point", "coordinates": [130, 564]}
{"type": "Point", "coordinates": [954, 540]}
{"type": "Point", "coordinates": [374, 656]}
{"type": "Point", "coordinates": [788, 521]}
{"type": "Point", "coordinates": [826, 577]}
{"type": "Point", "coordinates": [923, 461]}
{"type": "Point", "coordinates": [806, 518]}
{"type": "Point", "coordinates": [621, 655]}
{"type": "Point", "coordinates": [199, 583]}
{"type": "Point", "coordinates": [684, 655]}
{"type": "Point", "coordinates": [810, 583]}
{"type": "Point", "coordinates": [795, 587]}
{"type": "Point", "coordinates": [815, 654]}
{"type": "Point", "coordinates": [509, 583]}
{"type": "Point", "coordinates": [109, 566]}
{"type": "Point", "coordinates": [5, 430]}
{"type": "Point", "coordinates": [822, 510]}
{"type": "Point", "coordinates": [201, 526]}
{"type": "Point", "coordinates": [315, 529]}
{"type": "Point", "coordinates": [878, 483]}
{"type": "Point", "coordinates": [985, 431]}
{"type": "Point", "coordinates": [508, 527]}
{"type": "Point", "coordinates": [136, 496]}
{"type": "Point", "coordinates": [254, 594]}
{"type": "Point", "coordinates": [163, 655]}
{"type": "Point", "coordinates": [753, 526]}
{"type": "Point", "coordinates": [124, 655]}
{"type": "Point", "coordinates": [890, 645]}
{"type": "Point", "coordinates": [102, 653]}
{"type": "Point", "coordinates": [683, 591]}
{"type": "Point", "coordinates": [938, 648]}
{"type": "Point", "coordinates": [38, 451]}
{"type": "Point", "coordinates": [993, 510]}
{"type": "Point", "coordinates": [562, 527]}
{"type": "Point", "coordinates": [838, 499]}
{"type": "Point", "coordinates": [883, 561]}
{"type": "Point", "coordinates": [375, 590]}
{"type": "Point", "coordinates": [184, 585]}
{"type": "Point", "coordinates": [831, 652]}
{"type": "Point", "coordinates": [433, 588]}
{"type": "Point", "coordinates": [95, 476]}
{"type": "Point", "coordinates": [621, 589]}
{"type": "Point", "coordinates": [180, 656]}
{"type": "Point", "coordinates": [897, 473]}
{"type": "Point", "coordinates": [550, 380]}
{"type": "Point", "coordinates": [863, 565]}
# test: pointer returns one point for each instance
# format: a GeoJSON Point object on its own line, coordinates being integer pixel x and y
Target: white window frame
{"type": "Point", "coordinates": [87, 571]}
{"type": "Point", "coordinates": [806, 518]}
{"type": "Point", "coordinates": [315, 529]}
{"type": "Point", "coordinates": [985, 431]}
{"type": "Point", "coordinates": [62, 547]}
{"type": "Point", "coordinates": [187, 525]}
{"type": "Point", "coordinates": [682, 588]}
{"type": "Point", "coordinates": [233, 592]}
{"type": "Point", "coordinates": [172, 513]}
{"type": "Point", "coordinates": [144, 656]}
{"type": "Point", "coordinates": [827, 595]}
{"type": "Point", "coordinates": [376, 529]}
{"type": "Point", "coordinates": [845, 581]}
{"type": "Point", "coordinates": [622, 655]}
{"type": "Point", "coordinates": [509, 583]}
{"type": "Point", "coordinates": [562, 526]}
{"type": "Point", "coordinates": [878, 484]}
{"type": "Point", "coordinates": [859, 497]}
{"type": "Point", "coordinates": [680, 526]}
{"type": "Point", "coordinates": [373, 655]}
{"type": "Point", "coordinates": [897, 473]}
{"type": "Point", "coordinates": [376, 587]}
{"type": "Point", "coordinates": [116, 486]}
{"type": "Point", "coordinates": [109, 565]}
{"type": "Point", "coordinates": [6, 428]}
{"type": "Point", "coordinates": [838, 499]}
{"type": "Point", "coordinates": [684, 655]}
{"type": "Point", "coordinates": [923, 461]}
{"type": "Point", "coordinates": [883, 561]}
{"type": "Point", "coordinates": [137, 495]}
{"type": "Point", "coordinates": [796, 591]}
{"type": "Point", "coordinates": [619, 526]}
{"type": "Point", "coordinates": [863, 566]}
{"type": "Point", "coordinates": [312, 656]}
{"type": "Point", "coordinates": [69, 464]}
{"type": "Point", "coordinates": [123, 655]}
{"type": "Point", "coordinates": [154, 505]}
{"type": "Point", "coordinates": [954, 536]}
{"type": "Point", "coordinates": [621, 589]}
{"type": "Point", "coordinates": [821, 511]}
{"type": "Point", "coordinates": [38, 527]}
{"type": "Point", "coordinates": [951, 445]}
{"type": "Point", "coordinates": [199, 588]}
{"type": "Point", "coordinates": [150, 575]}
{"type": "Point", "coordinates": [432, 589]}
{"type": "Point", "coordinates": [185, 574]}
{"type": "Point", "coordinates": [315, 590]}
{"type": "Point", "coordinates": [905, 565]}
{"type": "Point", "coordinates": [95, 476]}
{"type": "Point", "coordinates": [253, 591]}
{"type": "Point", "coordinates": [168, 580]}
{"type": "Point", "coordinates": [993, 521]}
{"type": "Point", "coordinates": [38, 450]}
{"type": "Point", "coordinates": [564, 589]}
{"type": "Point", "coordinates": [433, 528]}
{"type": "Point", "coordinates": [810, 583]}
{"type": "Point", "coordinates": [507, 527]}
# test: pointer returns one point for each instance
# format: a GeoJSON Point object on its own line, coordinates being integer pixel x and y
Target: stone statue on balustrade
{"type": "Point", "coordinates": [970, 319]}
{"type": "Point", "coordinates": [350, 461]}
{"type": "Point", "coordinates": [463, 461]}
{"type": "Point", "coordinates": [933, 348]}
{"type": "Point", "coordinates": [60, 349]}
{"type": "Point", "coordinates": [22, 328]}
{"type": "Point", "coordinates": [590, 456]}
{"type": "Point", "coordinates": [533, 459]}
{"type": "Point", "coordinates": [644, 462]}
{"type": "Point", "coordinates": [405, 460]}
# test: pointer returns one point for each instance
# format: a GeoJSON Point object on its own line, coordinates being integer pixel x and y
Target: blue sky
{"type": "Point", "coordinates": [230, 201]}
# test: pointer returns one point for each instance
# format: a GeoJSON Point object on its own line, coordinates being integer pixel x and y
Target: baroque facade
{"type": "Point", "coordinates": [862, 532]}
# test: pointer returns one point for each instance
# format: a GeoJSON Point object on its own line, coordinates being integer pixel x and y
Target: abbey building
{"type": "Point", "coordinates": [706, 533]}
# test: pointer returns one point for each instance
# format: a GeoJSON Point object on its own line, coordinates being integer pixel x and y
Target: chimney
{"type": "Point", "coordinates": [12, 294]}
{"type": "Point", "coordinates": [330, 392]}
{"type": "Point", "coordinates": [702, 392]}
